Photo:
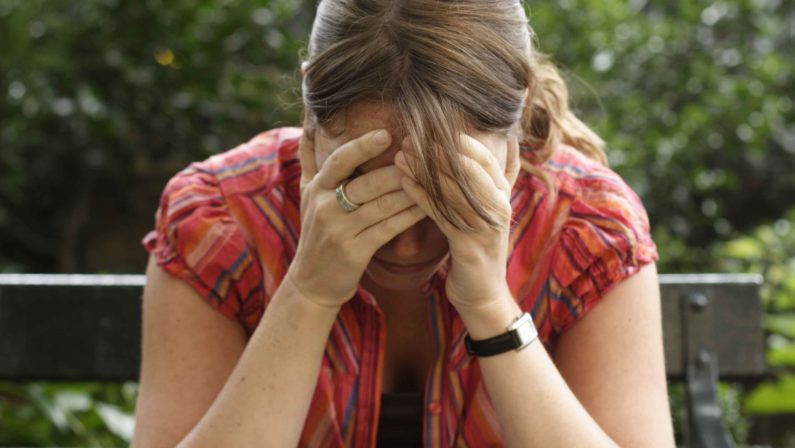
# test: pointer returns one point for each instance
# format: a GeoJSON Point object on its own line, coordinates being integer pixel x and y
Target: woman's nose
{"type": "Point", "coordinates": [407, 243]}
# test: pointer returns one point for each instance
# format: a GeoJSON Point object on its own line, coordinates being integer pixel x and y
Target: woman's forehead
{"type": "Point", "coordinates": [357, 120]}
{"type": "Point", "coordinates": [366, 116]}
{"type": "Point", "coordinates": [361, 118]}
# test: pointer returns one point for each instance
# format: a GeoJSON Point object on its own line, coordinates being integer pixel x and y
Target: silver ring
{"type": "Point", "coordinates": [343, 200]}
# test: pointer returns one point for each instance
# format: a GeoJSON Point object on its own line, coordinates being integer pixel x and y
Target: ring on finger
{"type": "Point", "coordinates": [342, 198]}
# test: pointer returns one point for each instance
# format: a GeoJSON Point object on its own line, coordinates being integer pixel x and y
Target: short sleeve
{"type": "Point", "coordinates": [197, 240]}
{"type": "Point", "coordinates": [604, 239]}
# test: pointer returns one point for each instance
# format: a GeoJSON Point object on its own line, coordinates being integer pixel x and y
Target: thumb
{"type": "Point", "coordinates": [512, 163]}
{"type": "Point", "coordinates": [306, 154]}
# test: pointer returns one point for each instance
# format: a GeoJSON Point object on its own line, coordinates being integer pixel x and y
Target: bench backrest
{"type": "Point", "coordinates": [87, 327]}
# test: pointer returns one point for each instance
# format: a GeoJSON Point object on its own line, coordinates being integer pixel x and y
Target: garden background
{"type": "Point", "coordinates": [101, 101]}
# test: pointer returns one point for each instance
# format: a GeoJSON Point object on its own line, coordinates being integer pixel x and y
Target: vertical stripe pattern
{"type": "Point", "coordinates": [229, 227]}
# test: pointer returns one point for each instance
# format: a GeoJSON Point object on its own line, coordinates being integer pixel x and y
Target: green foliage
{"type": "Point", "coordinates": [103, 100]}
{"type": "Point", "coordinates": [770, 251]}
{"type": "Point", "coordinates": [773, 397]}
{"type": "Point", "coordinates": [695, 101]}
{"type": "Point", "coordinates": [46, 414]}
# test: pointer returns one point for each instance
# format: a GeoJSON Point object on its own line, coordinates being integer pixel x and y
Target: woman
{"type": "Point", "coordinates": [441, 189]}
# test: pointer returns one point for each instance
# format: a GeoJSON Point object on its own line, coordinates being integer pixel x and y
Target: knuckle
{"type": "Point", "coordinates": [472, 164]}
{"type": "Point", "coordinates": [391, 226]}
{"type": "Point", "coordinates": [337, 239]}
{"type": "Point", "coordinates": [369, 182]}
{"type": "Point", "coordinates": [358, 149]}
{"type": "Point", "coordinates": [349, 255]}
{"type": "Point", "coordinates": [325, 212]}
{"type": "Point", "coordinates": [362, 144]}
{"type": "Point", "coordinates": [361, 183]}
{"type": "Point", "coordinates": [489, 162]}
{"type": "Point", "coordinates": [385, 204]}
{"type": "Point", "coordinates": [333, 162]}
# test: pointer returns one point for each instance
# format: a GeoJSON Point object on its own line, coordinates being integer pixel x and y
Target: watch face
{"type": "Point", "coordinates": [526, 333]}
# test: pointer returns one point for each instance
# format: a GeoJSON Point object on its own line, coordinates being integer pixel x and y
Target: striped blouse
{"type": "Point", "coordinates": [229, 226]}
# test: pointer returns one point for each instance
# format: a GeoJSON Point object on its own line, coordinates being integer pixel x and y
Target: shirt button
{"type": "Point", "coordinates": [434, 407]}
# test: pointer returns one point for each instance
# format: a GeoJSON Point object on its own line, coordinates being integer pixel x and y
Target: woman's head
{"type": "Point", "coordinates": [441, 68]}
{"type": "Point", "coordinates": [444, 67]}
{"type": "Point", "coordinates": [413, 256]}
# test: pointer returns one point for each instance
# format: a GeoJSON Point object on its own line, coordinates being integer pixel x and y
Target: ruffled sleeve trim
{"type": "Point", "coordinates": [604, 240]}
{"type": "Point", "coordinates": [196, 239]}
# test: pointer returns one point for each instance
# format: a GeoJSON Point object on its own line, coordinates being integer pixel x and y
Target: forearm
{"type": "Point", "coordinates": [534, 405]}
{"type": "Point", "coordinates": [266, 398]}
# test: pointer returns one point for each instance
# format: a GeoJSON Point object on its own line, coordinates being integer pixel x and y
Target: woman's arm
{"type": "Point", "coordinates": [265, 399]}
{"type": "Point", "coordinates": [609, 386]}
{"type": "Point", "coordinates": [191, 352]}
{"type": "Point", "coordinates": [613, 359]}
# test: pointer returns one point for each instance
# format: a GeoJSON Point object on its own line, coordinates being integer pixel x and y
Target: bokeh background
{"type": "Point", "coordinates": [101, 101]}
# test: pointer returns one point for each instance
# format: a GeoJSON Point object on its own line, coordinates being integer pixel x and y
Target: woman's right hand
{"type": "Point", "coordinates": [335, 246]}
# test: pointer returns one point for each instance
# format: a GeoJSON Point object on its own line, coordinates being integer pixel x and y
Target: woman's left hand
{"type": "Point", "coordinates": [477, 274]}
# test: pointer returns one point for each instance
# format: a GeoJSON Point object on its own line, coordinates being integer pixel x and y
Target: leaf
{"type": "Point", "coordinates": [783, 324]}
{"type": "Point", "coordinates": [782, 356]}
{"type": "Point", "coordinates": [772, 397]}
{"type": "Point", "coordinates": [744, 248]}
{"type": "Point", "coordinates": [70, 401]}
{"type": "Point", "coordinates": [118, 422]}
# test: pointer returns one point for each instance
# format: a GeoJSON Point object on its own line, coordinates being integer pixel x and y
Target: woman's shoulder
{"type": "Point", "coordinates": [215, 216]}
{"type": "Point", "coordinates": [581, 182]}
{"type": "Point", "coordinates": [574, 173]}
{"type": "Point", "coordinates": [584, 188]}
{"type": "Point", "coordinates": [591, 234]}
{"type": "Point", "coordinates": [602, 211]}
{"type": "Point", "coordinates": [260, 163]}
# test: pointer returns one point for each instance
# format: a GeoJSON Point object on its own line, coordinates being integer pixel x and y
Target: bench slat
{"type": "Point", "coordinates": [87, 327]}
{"type": "Point", "coordinates": [728, 316]}
{"type": "Point", "coordinates": [70, 332]}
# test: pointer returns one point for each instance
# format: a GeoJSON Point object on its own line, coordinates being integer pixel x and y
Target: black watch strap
{"type": "Point", "coordinates": [520, 334]}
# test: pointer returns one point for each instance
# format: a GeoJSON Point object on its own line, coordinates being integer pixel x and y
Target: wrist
{"type": "Point", "coordinates": [311, 304]}
{"type": "Point", "coordinates": [491, 318]}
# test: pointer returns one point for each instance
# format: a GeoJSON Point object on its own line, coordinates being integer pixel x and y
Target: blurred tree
{"type": "Point", "coordinates": [695, 100]}
{"type": "Point", "coordinates": [104, 100]}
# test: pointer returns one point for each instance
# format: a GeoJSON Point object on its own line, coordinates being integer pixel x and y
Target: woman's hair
{"type": "Point", "coordinates": [444, 66]}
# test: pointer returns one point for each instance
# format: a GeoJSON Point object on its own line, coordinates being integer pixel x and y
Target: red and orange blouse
{"type": "Point", "coordinates": [229, 227]}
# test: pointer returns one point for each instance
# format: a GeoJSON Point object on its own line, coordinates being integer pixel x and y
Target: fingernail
{"type": "Point", "coordinates": [400, 159]}
{"type": "Point", "coordinates": [381, 137]}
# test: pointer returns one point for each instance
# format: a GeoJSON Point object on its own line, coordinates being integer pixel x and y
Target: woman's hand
{"type": "Point", "coordinates": [477, 275]}
{"type": "Point", "coordinates": [335, 245]}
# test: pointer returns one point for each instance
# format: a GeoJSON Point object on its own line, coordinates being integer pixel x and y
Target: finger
{"type": "Point", "coordinates": [384, 231]}
{"type": "Point", "coordinates": [381, 208]}
{"type": "Point", "coordinates": [374, 184]}
{"type": "Point", "coordinates": [474, 149]}
{"type": "Point", "coordinates": [496, 202]}
{"type": "Point", "coordinates": [423, 201]}
{"type": "Point", "coordinates": [344, 160]}
{"type": "Point", "coordinates": [512, 164]}
{"type": "Point", "coordinates": [479, 179]}
{"type": "Point", "coordinates": [495, 199]}
{"type": "Point", "coordinates": [306, 155]}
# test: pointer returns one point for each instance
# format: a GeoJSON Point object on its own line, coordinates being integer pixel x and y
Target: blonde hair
{"type": "Point", "coordinates": [443, 66]}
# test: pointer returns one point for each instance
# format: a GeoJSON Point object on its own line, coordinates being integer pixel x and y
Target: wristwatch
{"type": "Point", "coordinates": [519, 335]}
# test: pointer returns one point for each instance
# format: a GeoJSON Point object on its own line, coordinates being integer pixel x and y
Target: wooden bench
{"type": "Point", "coordinates": [88, 328]}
